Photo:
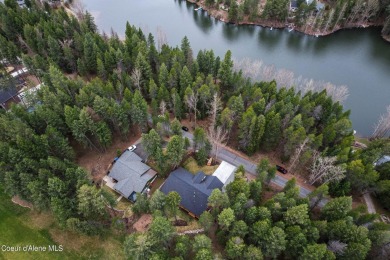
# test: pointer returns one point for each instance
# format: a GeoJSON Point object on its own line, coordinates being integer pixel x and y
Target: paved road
{"type": "Point", "coordinates": [225, 155]}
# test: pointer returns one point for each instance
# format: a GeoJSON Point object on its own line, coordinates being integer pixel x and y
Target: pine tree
{"type": "Point", "coordinates": [175, 151]}
{"type": "Point", "coordinates": [90, 53]}
{"type": "Point", "coordinates": [55, 52]}
{"type": "Point", "coordinates": [139, 113]}
{"type": "Point", "coordinates": [185, 80]}
{"type": "Point", "coordinates": [272, 133]}
{"type": "Point", "coordinates": [225, 72]}
{"type": "Point", "coordinates": [163, 76]}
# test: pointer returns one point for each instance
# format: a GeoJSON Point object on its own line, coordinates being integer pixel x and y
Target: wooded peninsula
{"type": "Point", "coordinates": [317, 18]}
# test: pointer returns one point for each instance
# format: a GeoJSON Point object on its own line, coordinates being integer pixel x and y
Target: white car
{"type": "Point", "coordinates": [132, 148]}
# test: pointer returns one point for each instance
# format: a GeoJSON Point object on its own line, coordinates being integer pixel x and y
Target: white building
{"type": "Point", "coordinates": [225, 173]}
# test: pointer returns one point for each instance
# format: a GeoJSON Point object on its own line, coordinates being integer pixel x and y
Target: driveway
{"type": "Point", "coordinates": [140, 151]}
{"type": "Point", "coordinates": [369, 203]}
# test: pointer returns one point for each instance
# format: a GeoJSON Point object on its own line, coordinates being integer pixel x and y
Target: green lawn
{"type": "Point", "coordinates": [156, 184]}
{"type": "Point", "coordinates": [192, 166]}
{"type": "Point", "coordinates": [22, 227]}
{"type": "Point", "coordinates": [14, 233]}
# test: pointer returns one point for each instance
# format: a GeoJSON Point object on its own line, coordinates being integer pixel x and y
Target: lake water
{"type": "Point", "coordinates": [357, 58]}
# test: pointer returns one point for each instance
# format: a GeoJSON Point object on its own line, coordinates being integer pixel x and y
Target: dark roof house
{"type": "Point", "coordinates": [6, 95]}
{"type": "Point", "coordinates": [194, 190]}
{"type": "Point", "coordinates": [294, 4]}
{"type": "Point", "coordinates": [131, 175]}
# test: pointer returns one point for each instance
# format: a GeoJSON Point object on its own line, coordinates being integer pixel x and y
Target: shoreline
{"type": "Point", "coordinates": [221, 15]}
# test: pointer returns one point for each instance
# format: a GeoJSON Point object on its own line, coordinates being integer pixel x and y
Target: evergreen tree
{"type": "Point", "coordinates": [272, 133]}
{"type": "Point", "coordinates": [225, 73]}
{"type": "Point", "coordinates": [90, 54]}
{"type": "Point", "coordinates": [139, 113]}
{"type": "Point", "coordinates": [175, 151]}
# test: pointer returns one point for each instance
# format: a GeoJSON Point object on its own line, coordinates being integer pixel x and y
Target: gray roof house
{"type": "Point", "coordinates": [131, 175]}
{"type": "Point", "coordinates": [194, 190]}
{"type": "Point", "coordinates": [382, 160]}
{"type": "Point", "coordinates": [319, 5]}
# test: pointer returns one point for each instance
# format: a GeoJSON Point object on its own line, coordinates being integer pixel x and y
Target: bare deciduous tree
{"type": "Point", "coordinates": [340, 16]}
{"type": "Point", "coordinates": [324, 170]}
{"type": "Point", "coordinates": [371, 8]}
{"type": "Point", "coordinates": [382, 128]}
{"type": "Point", "coordinates": [65, 43]}
{"type": "Point", "coordinates": [217, 137]}
{"type": "Point", "coordinates": [163, 107]}
{"type": "Point", "coordinates": [329, 21]}
{"type": "Point", "coordinates": [297, 154]}
{"type": "Point", "coordinates": [161, 38]}
{"type": "Point", "coordinates": [337, 247]}
{"type": "Point", "coordinates": [136, 76]}
{"type": "Point", "coordinates": [257, 70]}
{"type": "Point", "coordinates": [216, 106]}
{"type": "Point", "coordinates": [269, 105]}
{"type": "Point", "coordinates": [317, 112]}
{"type": "Point", "coordinates": [78, 8]}
{"type": "Point", "coordinates": [23, 43]}
{"type": "Point", "coordinates": [192, 101]}
{"type": "Point", "coordinates": [337, 93]}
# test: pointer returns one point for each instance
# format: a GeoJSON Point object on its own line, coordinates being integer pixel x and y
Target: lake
{"type": "Point", "coordinates": [357, 58]}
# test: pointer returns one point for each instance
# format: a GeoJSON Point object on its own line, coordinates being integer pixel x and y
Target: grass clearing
{"type": "Point", "coordinates": [362, 140]}
{"type": "Point", "coordinates": [15, 232]}
{"type": "Point", "coordinates": [192, 225]}
{"type": "Point", "coordinates": [123, 204]}
{"type": "Point", "coordinates": [192, 222]}
{"type": "Point", "coordinates": [192, 166]}
{"type": "Point", "coordinates": [111, 191]}
{"type": "Point", "coordinates": [156, 184]}
{"type": "Point", "coordinates": [22, 226]}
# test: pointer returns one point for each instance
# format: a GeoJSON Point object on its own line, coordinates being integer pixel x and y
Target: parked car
{"type": "Point", "coordinates": [281, 169]}
{"type": "Point", "coordinates": [184, 128]}
{"type": "Point", "coordinates": [132, 148]}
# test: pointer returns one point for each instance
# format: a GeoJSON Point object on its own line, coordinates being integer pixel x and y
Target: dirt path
{"type": "Point", "coordinates": [369, 203]}
{"type": "Point", "coordinates": [143, 223]}
{"type": "Point", "coordinates": [22, 203]}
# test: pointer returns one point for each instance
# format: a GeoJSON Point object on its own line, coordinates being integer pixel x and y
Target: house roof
{"type": "Point", "coordinates": [382, 160]}
{"type": "Point", "coordinates": [294, 4]}
{"type": "Point", "coordinates": [194, 190]}
{"type": "Point", "coordinates": [19, 72]}
{"type": "Point", "coordinates": [224, 171]}
{"type": "Point", "coordinates": [131, 174]}
{"type": "Point", "coordinates": [6, 95]}
{"type": "Point", "coordinates": [319, 5]}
